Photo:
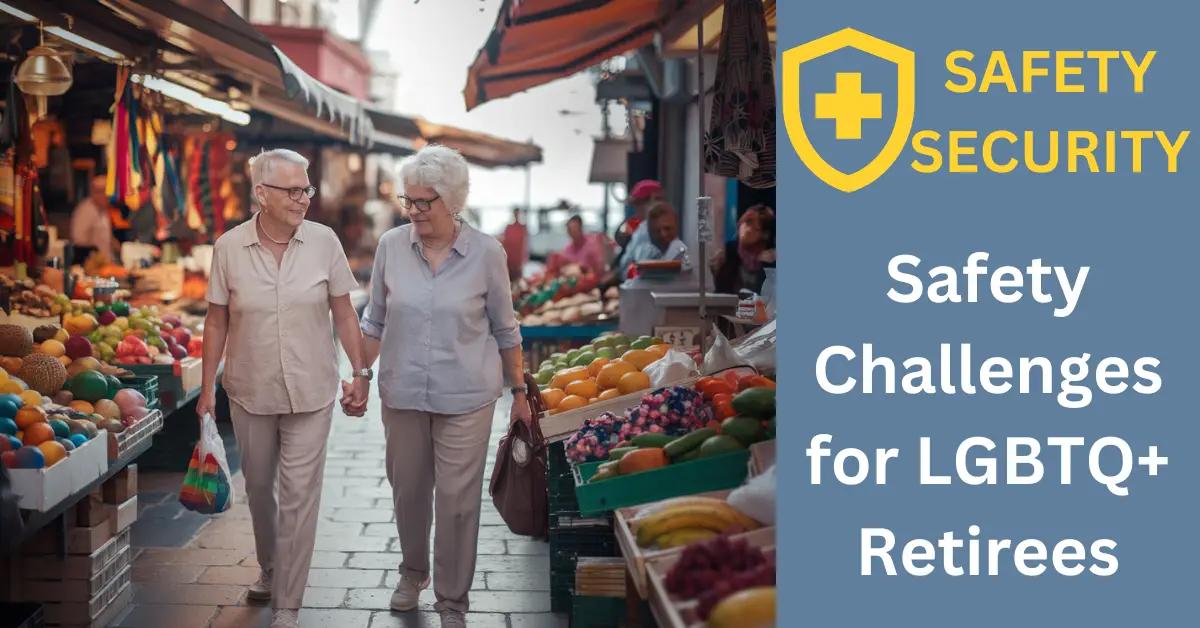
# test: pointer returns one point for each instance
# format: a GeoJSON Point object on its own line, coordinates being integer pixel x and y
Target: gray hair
{"type": "Point", "coordinates": [262, 164]}
{"type": "Point", "coordinates": [441, 168]}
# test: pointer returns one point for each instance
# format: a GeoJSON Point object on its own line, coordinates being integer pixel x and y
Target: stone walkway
{"type": "Point", "coordinates": [201, 583]}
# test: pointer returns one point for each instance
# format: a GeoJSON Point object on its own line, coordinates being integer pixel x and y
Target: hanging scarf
{"type": "Point", "coordinates": [740, 142]}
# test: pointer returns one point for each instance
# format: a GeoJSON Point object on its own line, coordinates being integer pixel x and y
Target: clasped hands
{"type": "Point", "coordinates": [354, 396]}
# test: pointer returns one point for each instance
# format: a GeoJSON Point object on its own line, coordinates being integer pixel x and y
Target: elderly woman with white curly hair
{"type": "Point", "coordinates": [441, 321]}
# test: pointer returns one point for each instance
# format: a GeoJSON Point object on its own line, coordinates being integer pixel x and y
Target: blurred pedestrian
{"type": "Point", "coordinates": [516, 245]}
{"type": "Point", "coordinates": [91, 227]}
{"type": "Point", "coordinates": [631, 233]}
{"type": "Point", "coordinates": [584, 249]}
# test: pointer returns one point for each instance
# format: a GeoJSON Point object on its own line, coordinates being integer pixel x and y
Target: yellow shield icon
{"type": "Point", "coordinates": [859, 107]}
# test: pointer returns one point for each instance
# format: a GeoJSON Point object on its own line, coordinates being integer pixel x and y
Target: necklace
{"type": "Point", "coordinates": [265, 233]}
{"type": "Point", "coordinates": [439, 249]}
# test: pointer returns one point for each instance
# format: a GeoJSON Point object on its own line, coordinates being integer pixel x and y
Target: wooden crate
{"type": "Point", "coordinates": [672, 612]}
{"type": "Point", "coordinates": [636, 557]}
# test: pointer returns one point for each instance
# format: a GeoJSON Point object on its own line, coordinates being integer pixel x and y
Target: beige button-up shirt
{"type": "Point", "coordinates": [279, 355]}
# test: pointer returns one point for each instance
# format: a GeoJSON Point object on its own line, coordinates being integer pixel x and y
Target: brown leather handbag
{"type": "Point", "coordinates": [518, 486]}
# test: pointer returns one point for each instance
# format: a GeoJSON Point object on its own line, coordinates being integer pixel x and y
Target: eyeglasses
{"type": "Point", "coordinates": [422, 204]}
{"type": "Point", "coordinates": [294, 193]}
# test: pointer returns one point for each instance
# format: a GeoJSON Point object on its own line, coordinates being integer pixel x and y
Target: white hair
{"type": "Point", "coordinates": [262, 164]}
{"type": "Point", "coordinates": [441, 168]}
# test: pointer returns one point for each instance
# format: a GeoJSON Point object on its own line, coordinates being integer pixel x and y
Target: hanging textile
{"type": "Point", "coordinates": [740, 142]}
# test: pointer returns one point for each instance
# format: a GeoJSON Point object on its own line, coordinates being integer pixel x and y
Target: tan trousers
{"type": "Point", "coordinates": [447, 452]}
{"type": "Point", "coordinates": [285, 451]}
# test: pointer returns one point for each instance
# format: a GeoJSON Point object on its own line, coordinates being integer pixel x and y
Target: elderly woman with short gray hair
{"type": "Point", "coordinates": [441, 321]}
{"type": "Point", "coordinates": [274, 283]}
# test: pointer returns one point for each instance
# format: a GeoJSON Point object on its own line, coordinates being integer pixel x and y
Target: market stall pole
{"type": "Point", "coordinates": [703, 203]}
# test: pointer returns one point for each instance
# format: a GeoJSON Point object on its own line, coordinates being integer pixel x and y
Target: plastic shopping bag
{"type": "Point", "coordinates": [673, 367]}
{"type": "Point", "coordinates": [206, 487]}
{"type": "Point", "coordinates": [756, 498]}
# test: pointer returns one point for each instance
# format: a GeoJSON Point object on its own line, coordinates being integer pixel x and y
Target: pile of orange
{"type": "Point", "coordinates": [603, 379]}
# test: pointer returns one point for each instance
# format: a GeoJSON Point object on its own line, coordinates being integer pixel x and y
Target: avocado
{"type": "Point", "coordinates": [689, 456]}
{"type": "Point", "coordinates": [717, 445]}
{"type": "Point", "coordinates": [747, 430]}
{"type": "Point", "coordinates": [771, 428]}
{"type": "Point", "coordinates": [641, 343]}
{"type": "Point", "coordinates": [755, 402]}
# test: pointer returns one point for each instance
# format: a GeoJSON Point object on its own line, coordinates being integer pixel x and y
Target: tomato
{"type": "Point", "coordinates": [716, 387]}
{"type": "Point", "coordinates": [718, 398]}
{"type": "Point", "coordinates": [704, 382]}
{"type": "Point", "coordinates": [724, 410]}
{"type": "Point", "coordinates": [755, 381]}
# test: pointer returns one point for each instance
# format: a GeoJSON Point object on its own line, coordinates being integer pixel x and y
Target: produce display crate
{"type": "Point", "coordinates": [73, 567]}
{"type": "Point", "coordinates": [43, 489]}
{"type": "Point", "coordinates": [134, 436]}
{"type": "Point", "coordinates": [176, 382]}
{"type": "Point", "coordinates": [147, 385]}
{"type": "Point", "coordinates": [21, 615]}
{"type": "Point", "coordinates": [715, 473]}
{"type": "Point", "coordinates": [673, 612]}
{"type": "Point", "coordinates": [83, 590]}
{"type": "Point", "coordinates": [636, 556]}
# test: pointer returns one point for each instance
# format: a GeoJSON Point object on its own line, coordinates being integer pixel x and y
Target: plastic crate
{"type": "Point", "coordinates": [560, 482]}
{"type": "Point", "coordinates": [687, 478]}
{"type": "Point", "coordinates": [147, 385]}
{"type": "Point", "coordinates": [567, 545]}
{"type": "Point", "coordinates": [21, 615]}
{"type": "Point", "coordinates": [597, 612]}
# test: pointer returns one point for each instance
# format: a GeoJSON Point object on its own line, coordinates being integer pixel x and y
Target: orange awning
{"type": "Point", "coordinates": [537, 41]}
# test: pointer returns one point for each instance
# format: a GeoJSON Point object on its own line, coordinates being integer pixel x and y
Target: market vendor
{"type": "Point", "coordinates": [91, 229]}
{"type": "Point", "coordinates": [276, 279]}
{"type": "Point", "coordinates": [740, 264]}
{"type": "Point", "coordinates": [630, 232]}
{"type": "Point", "coordinates": [662, 237]}
{"type": "Point", "coordinates": [584, 249]}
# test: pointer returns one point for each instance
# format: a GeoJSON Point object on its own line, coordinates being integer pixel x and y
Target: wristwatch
{"type": "Point", "coordinates": [367, 373]}
{"type": "Point", "coordinates": [524, 390]}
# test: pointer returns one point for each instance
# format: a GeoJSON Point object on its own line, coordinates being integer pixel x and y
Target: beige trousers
{"type": "Point", "coordinates": [283, 461]}
{"type": "Point", "coordinates": [447, 453]}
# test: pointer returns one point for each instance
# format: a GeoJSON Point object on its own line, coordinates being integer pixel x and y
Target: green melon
{"type": "Point", "coordinates": [89, 386]}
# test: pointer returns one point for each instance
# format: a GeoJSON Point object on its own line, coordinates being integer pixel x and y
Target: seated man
{"type": "Point", "coordinates": [662, 225]}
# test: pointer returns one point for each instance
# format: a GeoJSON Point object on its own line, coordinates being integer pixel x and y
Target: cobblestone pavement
{"type": "Point", "coordinates": [202, 582]}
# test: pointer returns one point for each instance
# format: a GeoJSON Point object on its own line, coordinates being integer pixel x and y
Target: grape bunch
{"type": "Point", "coordinates": [714, 570]}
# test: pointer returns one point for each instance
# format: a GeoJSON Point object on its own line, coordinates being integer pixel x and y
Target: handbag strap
{"type": "Point", "coordinates": [536, 407]}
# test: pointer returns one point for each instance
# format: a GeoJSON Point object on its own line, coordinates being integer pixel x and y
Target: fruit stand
{"type": "Point", "coordinates": [651, 478]}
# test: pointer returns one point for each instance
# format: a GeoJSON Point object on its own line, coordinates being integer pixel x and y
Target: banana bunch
{"type": "Point", "coordinates": [686, 520]}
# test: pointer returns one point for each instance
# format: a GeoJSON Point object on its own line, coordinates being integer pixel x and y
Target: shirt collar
{"type": "Point", "coordinates": [462, 244]}
{"type": "Point", "coordinates": [250, 235]}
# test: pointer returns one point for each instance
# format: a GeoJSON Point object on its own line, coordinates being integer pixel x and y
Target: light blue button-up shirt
{"type": "Point", "coordinates": [440, 335]}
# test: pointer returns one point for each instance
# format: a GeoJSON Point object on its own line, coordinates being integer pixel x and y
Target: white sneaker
{"type": "Point", "coordinates": [407, 594]}
{"type": "Point", "coordinates": [453, 619]}
{"type": "Point", "coordinates": [285, 618]}
{"type": "Point", "coordinates": [260, 590]}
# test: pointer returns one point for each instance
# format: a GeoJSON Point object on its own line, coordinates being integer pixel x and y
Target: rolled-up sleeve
{"type": "Point", "coordinates": [500, 313]}
{"type": "Point", "coordinates": [376, 312]}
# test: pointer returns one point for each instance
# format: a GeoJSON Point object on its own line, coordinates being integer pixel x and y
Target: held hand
{"type": "Point", "coordinates": [354, 397]}
{"type": "Point", "coordinates": [520, 410]}
{"type": "Point", "coordinates": [206, 403]}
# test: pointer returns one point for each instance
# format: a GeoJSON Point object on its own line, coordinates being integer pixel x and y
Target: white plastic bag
{"type": "Point", "coordinates": [757, 348]}
{"type": "Point", "coordinates": [720, 355]}
{"type": "Point", "coordinates": [673, 367]}
{"type": "Point", "coordinates": [756, 499]}
{"type": "Point", "coordinates": [208, 486]}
